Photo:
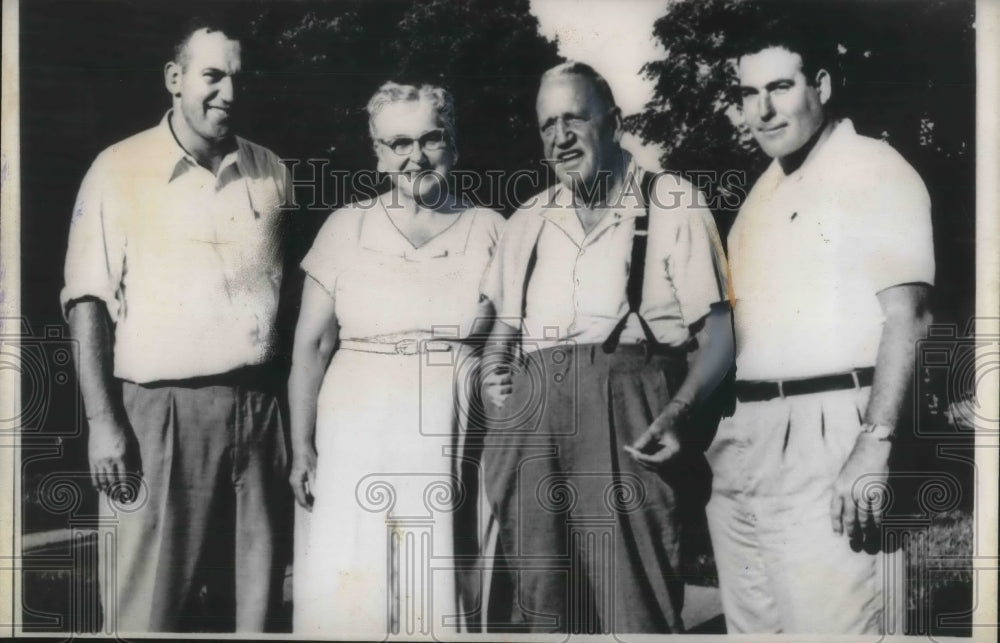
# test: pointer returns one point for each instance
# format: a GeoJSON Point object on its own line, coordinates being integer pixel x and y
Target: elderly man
{"type": "Point", "coordinates": [831, 261]}
{"type": "Point", "coordinates": [608, 285]}
{"type": "Point", "coordinates": [172, 278]}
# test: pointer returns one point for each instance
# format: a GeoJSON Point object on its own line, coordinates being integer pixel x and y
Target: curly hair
{"type": "Point", "coordinates": [437, 97]}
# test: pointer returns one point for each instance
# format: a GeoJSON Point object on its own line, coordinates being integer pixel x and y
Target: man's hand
{"type": "Point", "coordinates": [303, 475]}
{"type": "Point", "coordinates": [497, 384]}
{"type": "Point", "coordinates": [661, 441]}
{"type": "Point", "coordinates": [110, 434]}
{"type": "Point", "coordinates": [108, 449]}
{"type": "Point", "coordinates": [906, 319]}
{"type": "Point", "coordinates": [866, 468]}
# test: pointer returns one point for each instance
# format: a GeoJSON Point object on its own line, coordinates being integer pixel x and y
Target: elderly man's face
{"type": "Point", "coordinates": [207, 96]}
{"type": "Point", "coordinates": [781, 106]}
{"type": "Point", "coordinates": [413, 146]}
{"type": "Point", "coordinates": [580, 132]}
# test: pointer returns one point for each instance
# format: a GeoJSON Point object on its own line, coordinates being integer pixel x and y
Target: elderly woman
{"type": "Point", "coordinates": [390, 294]}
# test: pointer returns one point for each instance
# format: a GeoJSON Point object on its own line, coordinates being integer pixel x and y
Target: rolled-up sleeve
{"type": "Point", "coordinates": [686, 241]}
{"type": "Point", "coordinates": [95, 256]}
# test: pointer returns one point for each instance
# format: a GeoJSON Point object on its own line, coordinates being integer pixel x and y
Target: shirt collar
{"type": "Point", "coordinates": [176, 160]}
{"type": "Point", "coordinates": [842, 130]}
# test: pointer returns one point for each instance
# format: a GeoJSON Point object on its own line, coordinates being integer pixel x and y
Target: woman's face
{"type": "Point", "coordinates": [415, 150]}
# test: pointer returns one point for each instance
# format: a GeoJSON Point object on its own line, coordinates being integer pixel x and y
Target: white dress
{"type": "Point", "coordinates": [375, 556]}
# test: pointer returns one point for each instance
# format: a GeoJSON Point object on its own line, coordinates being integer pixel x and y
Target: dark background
{"type": "Point", "coordinates": [91, 75]}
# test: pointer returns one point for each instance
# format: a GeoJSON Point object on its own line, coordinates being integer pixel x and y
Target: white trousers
{"type": "Point", "coordinates": [781, 566]}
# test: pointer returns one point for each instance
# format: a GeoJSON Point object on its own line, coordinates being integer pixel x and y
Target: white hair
{"type": "Point", "coordinates": [438, 98]}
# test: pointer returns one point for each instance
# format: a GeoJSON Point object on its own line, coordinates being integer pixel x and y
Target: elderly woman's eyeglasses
{"type": "Point", "coordinates": [431, 141]}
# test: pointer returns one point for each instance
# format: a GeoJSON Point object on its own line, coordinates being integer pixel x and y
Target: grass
{"type": "Point", "coordinates": [939, 596]}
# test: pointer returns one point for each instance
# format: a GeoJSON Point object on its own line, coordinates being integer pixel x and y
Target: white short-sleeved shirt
{"type": "Point", "coordinates": [384, 287]}
{"type": "Point", "coordinates": [577, 290]}
{"type": "Point", "coordinates": [810, 251]}
{"type": "Point", "coordinates": [187, 262]}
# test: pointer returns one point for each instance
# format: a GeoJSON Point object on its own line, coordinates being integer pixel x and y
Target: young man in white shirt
{"type": "Point", "coordinates": [831, 260]}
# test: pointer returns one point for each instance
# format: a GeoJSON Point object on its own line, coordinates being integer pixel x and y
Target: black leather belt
{"type": "Point", "coordinates": [759, 391]}
{"type": "Point", "coordinates": [270, 377]}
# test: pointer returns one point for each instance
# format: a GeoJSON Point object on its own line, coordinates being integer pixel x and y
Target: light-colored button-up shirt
{"type": "Point", "coordinates": [810, 251]}
{"type": "Point", "coordinates": [577, 290]}
{"type": "Point", "coordinates": [187, 262]}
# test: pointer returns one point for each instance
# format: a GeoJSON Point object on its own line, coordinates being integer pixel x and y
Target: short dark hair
{"type": "Point", "coordinates": [796, 29]}
{"type": "Point", "coordinates": [226, 24]}
{"type": "Point", "coordinates": [800, 29]}
{"type": "Point", "coordinates": [575, 68]}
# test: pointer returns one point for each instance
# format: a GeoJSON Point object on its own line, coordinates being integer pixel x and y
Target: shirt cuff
{"type": "Point", "coordinates": [71, 295]}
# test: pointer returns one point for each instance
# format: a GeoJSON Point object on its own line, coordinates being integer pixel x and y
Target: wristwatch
{"type": "Point", "coordinates": [882, 432]}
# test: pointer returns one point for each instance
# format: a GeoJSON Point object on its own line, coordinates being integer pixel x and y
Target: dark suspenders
{"type": "Point", "coordinates": [637, 268]}
{"type": "Point", "coordinates": [636, 271]}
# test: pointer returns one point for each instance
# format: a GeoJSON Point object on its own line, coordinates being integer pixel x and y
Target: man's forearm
{"type": "Point", "coordinates": [90, 327]}
{"type": "Point", "coordinates": [713, 358]}
{"type": "Point", "coordinates": [907, 318]}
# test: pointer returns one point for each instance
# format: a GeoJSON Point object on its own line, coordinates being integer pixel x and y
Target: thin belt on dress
{"type": "Point", "coordinates": [401, 347]}
{"type": "Point", "coordinates": [760, 391]}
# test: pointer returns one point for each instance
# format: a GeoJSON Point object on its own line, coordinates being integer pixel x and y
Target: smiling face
{"type": "Point", "coordinates": [783, 108]}
{"type": "Point", "coordinates": [202, 85]}
{"type": "Point", "coordinates": [422, 173]}
{"type": "Point", "coordinates": [580, 132]}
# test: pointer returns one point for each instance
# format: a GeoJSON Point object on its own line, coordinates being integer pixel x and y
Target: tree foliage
{"type": "Point", "coordinates": [322, 61]}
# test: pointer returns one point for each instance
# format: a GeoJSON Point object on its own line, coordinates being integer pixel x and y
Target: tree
{"type": "Point", "coordinates": [322, 61]}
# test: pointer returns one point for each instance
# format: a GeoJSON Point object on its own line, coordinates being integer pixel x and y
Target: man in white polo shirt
{"type": "Point", "coordinates": [172, 277]}
{"type": "Point", "coordinates": [831, 262]}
